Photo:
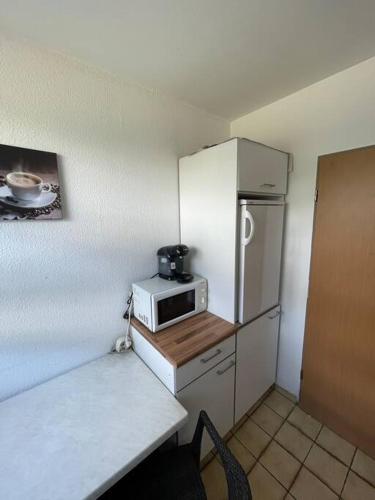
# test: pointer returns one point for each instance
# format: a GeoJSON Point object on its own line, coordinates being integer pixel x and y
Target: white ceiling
{"type": "Point", "coordinates": [226, 56]}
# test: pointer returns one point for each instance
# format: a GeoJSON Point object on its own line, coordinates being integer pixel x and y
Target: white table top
{"type": "Point", "coordinates": [76, 435]}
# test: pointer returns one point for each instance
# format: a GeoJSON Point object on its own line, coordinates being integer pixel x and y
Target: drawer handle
{"type": "Point", "coordinates": [268, 185]}
{"type": "Point", "coordinates": [277, 313]}
{"type": "Point", "coordinates": [220, 372]}
{"type": "Point", "coordinates": [205, 360]}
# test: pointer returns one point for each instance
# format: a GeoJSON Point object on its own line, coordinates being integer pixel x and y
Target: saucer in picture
{"type": "Point", "coordinates": [45, 199]}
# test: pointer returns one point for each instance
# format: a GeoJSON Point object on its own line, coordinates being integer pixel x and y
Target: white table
{"type": "Point", "coordinates": [74, 436]}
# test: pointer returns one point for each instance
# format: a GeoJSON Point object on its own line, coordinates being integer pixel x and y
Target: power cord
{"type": "Point", "coordinates": [129, 306]}
{"type": "Point", "coordinates": [124, 343]}
{"type": "Point", "coordinates": [128, 339]}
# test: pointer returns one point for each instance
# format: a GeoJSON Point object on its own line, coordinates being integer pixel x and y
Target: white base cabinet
{"type": "Point", "coordinates": [256, 358]}
{"type": "Point", "coordinates": [204, 383]}
{"type": "Point", "coordinates": [226, 380]}
{"type": "Point", "coordinates": [214, 393]}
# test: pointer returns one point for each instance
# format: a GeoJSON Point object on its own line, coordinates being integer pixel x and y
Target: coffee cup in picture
{"type": "Point", "coordinates": [26, 186]}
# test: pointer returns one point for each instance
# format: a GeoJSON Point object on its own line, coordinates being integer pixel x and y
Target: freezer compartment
{"type": "Point", "coordinates": [260, 247]}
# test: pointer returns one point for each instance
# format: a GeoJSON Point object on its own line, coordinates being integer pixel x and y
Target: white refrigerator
{"type": "Point", "coordinates": [260, 247]}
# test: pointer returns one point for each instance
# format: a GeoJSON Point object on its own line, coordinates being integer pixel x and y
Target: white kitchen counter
{"type": "Point", "coordinates": [76, 435]}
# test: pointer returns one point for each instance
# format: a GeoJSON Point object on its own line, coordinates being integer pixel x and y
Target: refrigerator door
{"type": "Point", "coordinates": [261, 232]}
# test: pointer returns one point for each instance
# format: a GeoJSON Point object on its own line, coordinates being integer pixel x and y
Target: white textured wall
{"type": "Point", "coordinates": [63, 283]}
{"type": "Point", "coordinates": [335, 114]}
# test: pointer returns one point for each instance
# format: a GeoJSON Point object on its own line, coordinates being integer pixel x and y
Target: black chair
{"type": "Point", "coordinates": [175, 474]}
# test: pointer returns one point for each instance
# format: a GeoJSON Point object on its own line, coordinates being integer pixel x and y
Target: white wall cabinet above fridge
{"type": "Point", "coordinates": [261, 169]}
{"type": "Point", "coordinates": [238, 251]}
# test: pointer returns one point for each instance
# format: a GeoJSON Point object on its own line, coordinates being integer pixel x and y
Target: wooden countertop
{"type": "Point", "coordinates": [184, 341]}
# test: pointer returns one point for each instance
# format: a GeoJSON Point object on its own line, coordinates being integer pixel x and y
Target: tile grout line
{"type": "Point", "coordinates": [322, 481]}
{"type": "Point", "coordinates": [304, 460]}
{"type": "Point", "coordinates": [365, 480]}
{"type": "Point", "coordinates": [292, 425]}
{"type": "Point", "coordinates": [338, 495]}
{"type": "Point", "coordinates": [274, 477]}
{"type": "Point", "coordinates": [268, 434]}
{"type": "Point", "coordinates": [233, 433]}
{"type": "Point", "coordinates": [358, 473]}
{"type": "Point", "coordinates": [348, 467]}
{"type": "Point", "coordinates": [296, 405]}
{"type": "Point", "coordinates": [347, 473]}
{"type": "Point", "coordinates": [271, 440]}
{"type": "Point", "coordinates": [253, 456]}
{"type": "Point", "coordinates": [303, 464]}
{"type": "Point", "coordinates": [312, 472]}
{"type": "Point", "coordinates": [270, 408]}
{"type": "Point", "coordinates": [264, 430]}
{"type": "Point", "coordinates": [314, 440]}
{"type": "Point", "coordinates": [331, 454]}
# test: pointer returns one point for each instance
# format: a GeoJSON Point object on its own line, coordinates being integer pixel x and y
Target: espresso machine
{"type": "Point", "coordinates": [171, 263]}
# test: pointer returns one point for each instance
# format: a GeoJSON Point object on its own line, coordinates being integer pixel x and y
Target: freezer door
{"type": "Point", "coordinates": [261, 232]}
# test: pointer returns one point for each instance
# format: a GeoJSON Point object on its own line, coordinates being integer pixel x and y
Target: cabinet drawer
{"type": "Point", "coordinates": [214, 393]}
{"type": "Point", "coordinates": [261, 169]}
{"type": "Point", "coordinates": [204, 362]}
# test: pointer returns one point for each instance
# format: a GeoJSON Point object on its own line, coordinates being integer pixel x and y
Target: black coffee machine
{"type": "Point", "coordinates": [171, 263]}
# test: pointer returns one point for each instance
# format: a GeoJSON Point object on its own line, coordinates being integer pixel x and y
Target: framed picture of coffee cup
{"type": "Point", "coordinates": [29, 184]}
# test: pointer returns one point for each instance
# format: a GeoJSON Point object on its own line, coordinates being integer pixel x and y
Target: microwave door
{"type": "Point", "coordinates": [175, 307]}
{"type": "Point", "coordinates": [261, 231]}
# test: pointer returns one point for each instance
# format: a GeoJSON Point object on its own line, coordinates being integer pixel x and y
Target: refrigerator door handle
{"type": "Point", "coordinates": [248, 239]}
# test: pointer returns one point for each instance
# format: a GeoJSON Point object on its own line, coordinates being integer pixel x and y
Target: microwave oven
{"type": "Point", "coordinates": [159, 303]}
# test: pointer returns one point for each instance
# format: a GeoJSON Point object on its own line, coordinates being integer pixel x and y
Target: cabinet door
{"type": "Point", "coordinates": [261, 169]}
{"type": "Point", "coordinates": [208, 210]}
{"type": "Point", "coordinates": [214, 393]}
{"type": "Point", "coordinates": [256, 358]}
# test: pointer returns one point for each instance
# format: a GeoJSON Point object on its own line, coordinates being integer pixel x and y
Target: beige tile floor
{"type": "Point", "coordinates": [289, 455]}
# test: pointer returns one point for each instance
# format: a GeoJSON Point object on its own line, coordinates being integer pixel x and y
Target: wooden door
{"type": "Point", "coordinates": [338, 381]}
